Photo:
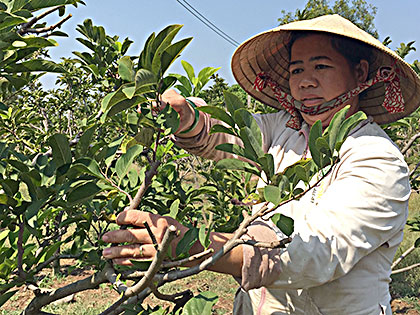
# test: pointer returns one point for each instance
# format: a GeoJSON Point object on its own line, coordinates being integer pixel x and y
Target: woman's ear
{"type": "Point", "coordinates": [362, 71]}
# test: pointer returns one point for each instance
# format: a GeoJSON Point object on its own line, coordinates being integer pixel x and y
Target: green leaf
{"type": "Point", "coordinates": [105, 101]}
{"type": "Point", "coordinates": [32, 211]}
{"type": "Point", "coordinates": [222, 129]}
{"type": "Point", "coordinates": [322, 145]}
{"type": "Point", "coordinates": [144, 76]}
{"type": "Point", "coordinates": [235, 164]}
{"type": "Point", "coordinates": [60, 149]}
{"type": "Point", "coordinates": [205, 74]}
{"type": "Point", "coordinates": [272, 194]}
{"type": "Point", "coordinates": [161, 43]}
{"type": "Point", "coordinates": [126, 69]}
{"type": "Point", "coordinates": [145, 59]}
{"type": "Point", "coordinates": [267, 163]}
{"type": "Point", "coordinates": [185, 83]}
{"type": "Point", "coordinates": [86, 140]}
{"type": "Point", "coordinates": [172, 52]}
{"type": "Point", "coordinates": [36, 65]}
{"type": "Point", "coordinates": [145, 136]}
{"type": "Point", "coordinates": [315, 133]}
{"type": "Point", "coordinates": [189, 70]}
{"type": "Point", "coordinates": [232, 102]}
{"type": "Point", "coordinates": [185, 244]}
{"type": "Point", "coordinates": [347, 126]}
{"type": "Point", "coordinates": [301, 173]}
{"type": "Point", "coordinates": [173, 210]}
{"type": "Point", "coordinates": [125, 104]}
{"type": "Point", "coordinates": [112, 150]}
{"type": "Point", "coordinates": [169, 118]}
{"type": "Point", "coordinates": [17, 165]}
{"type": "Point", "coordinates": [284, 223]}
{"type": "Point", "coordinates": [231, 148]}
{"type": "Point", "coordinates": [142, 265]}
{"type": "Point", "coordinates": [10, 186]}
{"type": "Point", "coordinates": [204, 236]}
{"type": "Point", "coordinates": [244, 118]}
{"type": "Point", "coordinates": [200, 304]}
{"type": "Point", "coordinates": [334, 126]}
{"type": "Point", "coordinates": [83, 193]}
{"type": "Point", "coordinates": [133, 177]}
{"type": "Point", "coordinates": [8, 19]}
{"type": "Point", "coordinates": [129, 91]}
{"type": "Point", "coordinates": [88, 166]}
{"type": "Point", "coordinates": [218, 114]}
{"type": "Point", "coordinates": [252, 140]}
{"type": "Point", "coordinates": [125, 161]}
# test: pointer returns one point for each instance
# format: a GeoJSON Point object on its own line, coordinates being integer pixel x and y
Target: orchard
{"type": "Point", "coordinates": [75, 156]}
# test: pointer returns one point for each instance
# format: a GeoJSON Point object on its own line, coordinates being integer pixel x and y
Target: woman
{"type": "Point", "coordinates": [347, 229]}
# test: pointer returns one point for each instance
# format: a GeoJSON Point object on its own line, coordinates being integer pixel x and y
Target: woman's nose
{"type": "Point", "coordinates": [308, 80]}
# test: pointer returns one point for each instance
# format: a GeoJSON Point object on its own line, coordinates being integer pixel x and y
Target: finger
{"type": "Point", "coordinates": [127, 236]}
{"type": "Point", "coordinates": [134, 217]}
{"type": "Point", "coordinates": [133, 251]}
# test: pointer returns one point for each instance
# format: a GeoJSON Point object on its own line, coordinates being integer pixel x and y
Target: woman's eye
{"type": "Point", "coordinates": [322, 66]}
{"type": "Point", "coordinates": [296, 71]}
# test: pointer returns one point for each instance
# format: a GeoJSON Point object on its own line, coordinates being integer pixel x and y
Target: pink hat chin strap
{"type": "Point", "coordinates": [393, 101]}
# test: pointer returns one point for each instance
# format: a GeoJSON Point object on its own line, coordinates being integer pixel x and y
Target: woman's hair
{"type": "Point", "coordinates": [353, 50]}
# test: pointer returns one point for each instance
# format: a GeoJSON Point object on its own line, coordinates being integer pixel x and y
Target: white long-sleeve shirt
{"type": "Point", "coordinates": [346, 232]}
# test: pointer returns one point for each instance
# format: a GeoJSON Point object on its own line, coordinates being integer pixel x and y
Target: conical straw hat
{"type": "Point", "coordinates": [268, 53]}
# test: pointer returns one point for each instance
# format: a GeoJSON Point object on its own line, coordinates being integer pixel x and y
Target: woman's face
{"type": "Point", "coordinates": [319, 73]}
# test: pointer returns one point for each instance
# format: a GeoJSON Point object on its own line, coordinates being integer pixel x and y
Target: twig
{"type": "Point", "coordinates": [410, 143]}
{"type": "Point", "coordinates": [276, 244]}
{"type": "Point", "coordinates": [148, 277]}
{"type": "Point", "coordinates": [116, 283]}
{"type": "Point", "coordinates": [152, 236]}
{"type": "Point", "coordinates": [26, 26]}
{"type": "Point", "coordinates": [414, 169]}
{"type": "Point", "coordinates": [403, 255]}
{"type": "Point", "coordinates": [111, 182]}
{"type": "Point", "coordinates": [405, 269]}
{"type": "Point", "coordinates": [49, 28]}
{"type": "Point", "coordinates": [182, 262]}
{"type": "Point", "coordinates": [21, 272]}
{"type": "Point", "coordinates": [135, 202]}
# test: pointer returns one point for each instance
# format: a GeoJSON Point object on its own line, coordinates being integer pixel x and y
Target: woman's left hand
{"type": "Point", "coordinates": [141, 245]}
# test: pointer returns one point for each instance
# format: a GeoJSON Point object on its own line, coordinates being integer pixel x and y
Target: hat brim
{"type": "Point", "coordinates": [268, 53]}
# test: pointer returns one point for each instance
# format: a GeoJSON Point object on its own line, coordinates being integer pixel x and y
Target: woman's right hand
{"type": "Point", "coordinates": [185, 111]}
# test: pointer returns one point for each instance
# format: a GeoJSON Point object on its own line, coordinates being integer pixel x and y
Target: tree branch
{"type": "Point", "coordinates": [28, 25]}
{"type": "Point", "coordinates": [403, 255]}
{"type": "Point", "coordinates": [85, 284]}
{"type": "Point", "coordinates": [135, 202]}
{"type": "Point", "coordinates": [21, 272]}
{"type": "Point", "coordinates": [410, 143]}
{"type": "Point", "coordinates": [47, 29]}
{"type": "Point", "coordinates": [151, 272]}
{"type": "Point", "coordinates": [405, 269]}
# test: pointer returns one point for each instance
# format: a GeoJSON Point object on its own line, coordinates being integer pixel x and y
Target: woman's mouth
{"type": "Point", "coordinates": [312, 101]}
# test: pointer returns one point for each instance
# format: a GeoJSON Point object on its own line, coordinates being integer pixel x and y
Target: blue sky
{"type": "Point", "coordinates": [240, 19]}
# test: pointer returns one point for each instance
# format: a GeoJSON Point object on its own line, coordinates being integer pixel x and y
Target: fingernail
{"type": "Point", "coordinates": [105, 238]}
{"type": "Point", "coordinates": [106, 252]}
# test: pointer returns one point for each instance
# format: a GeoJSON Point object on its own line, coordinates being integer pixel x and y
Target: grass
{"type": "Point", "coordinates": [407, 284]}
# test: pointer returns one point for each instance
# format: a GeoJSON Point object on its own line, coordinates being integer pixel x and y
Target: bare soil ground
{"type": "Point", "coordinates": [95, 301]}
